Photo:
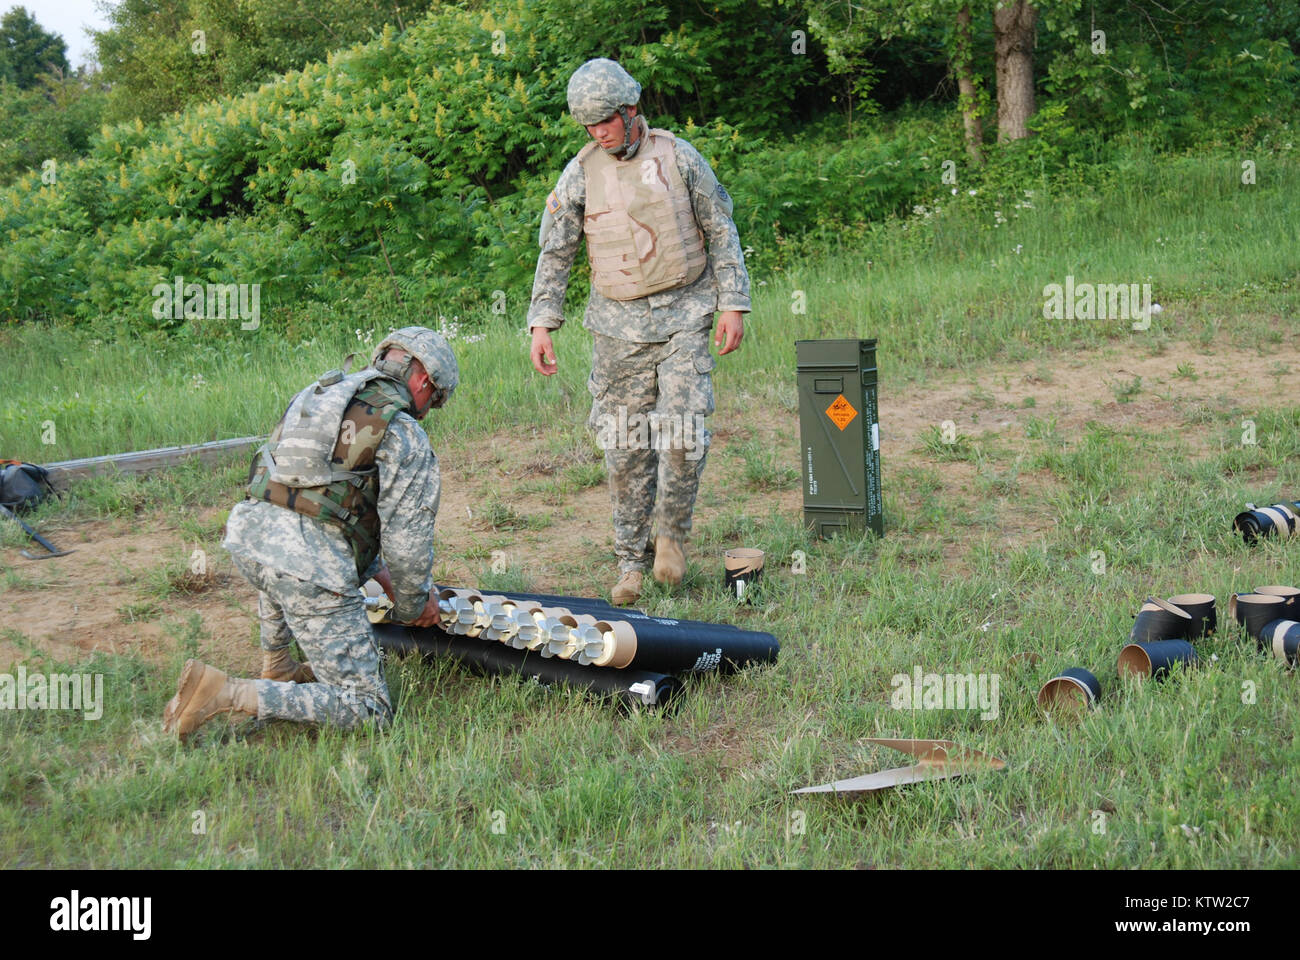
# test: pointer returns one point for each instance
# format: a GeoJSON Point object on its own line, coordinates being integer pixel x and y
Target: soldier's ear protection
{"type": "Point", "coordinates": [402, 372]}
{"type": "Point", "coordinates": [398, 371]}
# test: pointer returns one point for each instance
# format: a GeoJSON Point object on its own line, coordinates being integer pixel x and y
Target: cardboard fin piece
{"type": "Point", "coordinates": [936, 760]}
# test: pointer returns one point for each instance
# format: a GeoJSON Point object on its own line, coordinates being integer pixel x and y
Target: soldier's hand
{"type": "Point", "coordinates": [543, 352]}
{"type": "Point", "coordinates": [429, 616]}
{"type": "Point", "coordinates": [731, 329]}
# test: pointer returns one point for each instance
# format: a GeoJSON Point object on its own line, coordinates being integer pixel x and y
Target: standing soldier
{"type": "Point", "coordinates": [664, 258]}
{"type": "Point", "coordinates": [347, 477]}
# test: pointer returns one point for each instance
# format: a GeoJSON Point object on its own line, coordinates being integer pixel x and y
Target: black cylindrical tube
{"type": "Point", "coordinates": [1290, 594]}
{"type": "Point", "coordinates": [1254, 610]}
{"type": "Point", "coordinates": [1261, 521]}
{"type": "Point", "coordinates": [629, 685]}
{"type": "Point", "coordinates": [1159, 620]}
{"type": "Point", "coordinates": [666, 645]}
{"type": "Point", "coordinates": [1201, 608]}
{"type": "Point", "coordinates": [1282, 639]}
{"type": "Point", "coordinates": [1155, 658]}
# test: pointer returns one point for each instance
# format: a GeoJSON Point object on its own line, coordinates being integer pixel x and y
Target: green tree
{"type": "Point", "coordinates": [54, 120]}
{"type": "Point", "coordinates": [27, 51]}
{"type": "Point", "coordinates": [160, 56]}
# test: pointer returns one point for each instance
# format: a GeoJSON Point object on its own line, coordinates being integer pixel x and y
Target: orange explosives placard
{"type": "Point", "coordinates": [841, 412]}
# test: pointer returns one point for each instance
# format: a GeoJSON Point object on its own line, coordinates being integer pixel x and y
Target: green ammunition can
{"type": "Point", "coordinates": [839, 436]}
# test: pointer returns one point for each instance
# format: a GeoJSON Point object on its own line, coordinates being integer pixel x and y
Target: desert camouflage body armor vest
{"type": "Point", "coordinates": [290, 470]}
{"type": "Point", "coordinates": [641, 231]}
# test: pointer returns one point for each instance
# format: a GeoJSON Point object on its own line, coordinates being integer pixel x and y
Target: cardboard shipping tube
{"type": "Point", "coordinates": [620, 644]}
{"type": "Point", "coordinates": [1154, 659]}
{"type": "Point", "coordinates": [741, 568]}
{"type": "Point", "coordinates": [669, 645]}
{"type": "Point", "coordinates": [1290, 594]}
{"type": "Point", "coordinates": [1157, 620]}
{"type": "Point", "coordinates": [1072, 691]}
{"type": "Point", "coordinates": [1282, 638]}
{"type": "Point", "coordinates": [633, 687]}
{"type": "Point", "coordinates": [742, 560]}
{"type": "Point", "coordinates": [1281, 518]}
{"type": "Point", "coordinates": [1254, 610]}
{"type": "Point", "coordinates": [1201, 608]}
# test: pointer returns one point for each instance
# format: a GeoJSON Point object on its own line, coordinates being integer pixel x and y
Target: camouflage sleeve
{"type": "Point", "coordinates": [560, 235]}
{"type": "Point", "coordinates": [409, 491]}
{"type": "Point", "coordinates": [713, 208]}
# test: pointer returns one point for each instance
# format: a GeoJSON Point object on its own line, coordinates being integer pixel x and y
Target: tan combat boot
{"type": "Point", "coordinates": [670, 561]}
{"type": "Point", "coordinates": [284, 668]}
{"type": "Point", "coordinates": [201, 694]}
{"type": "Point", "coordinates": [627, 590]}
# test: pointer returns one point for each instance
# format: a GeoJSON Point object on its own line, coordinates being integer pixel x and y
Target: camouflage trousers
{"type": "Point", "coordinates": [649, 403]}
{"type": "Point", "coordinates": [335, 637]}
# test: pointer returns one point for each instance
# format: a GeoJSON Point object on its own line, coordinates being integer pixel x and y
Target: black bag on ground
{"type": "Point", "coordinates": [23, 485]}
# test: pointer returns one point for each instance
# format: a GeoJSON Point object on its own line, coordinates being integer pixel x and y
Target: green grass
{"type": "Point", "coordinates": [497, 773]}
{"type": "Point", "coordinates": [538, 778]}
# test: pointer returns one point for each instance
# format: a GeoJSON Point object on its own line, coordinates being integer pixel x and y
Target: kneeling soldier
{"type": "Point", "coordinates": [347, 477]}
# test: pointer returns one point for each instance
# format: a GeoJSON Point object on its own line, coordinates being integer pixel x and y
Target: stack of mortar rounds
{"type": "Point", "coordinates": [574, 640]}
{"type": "Point", "coordinates": [548, 631]}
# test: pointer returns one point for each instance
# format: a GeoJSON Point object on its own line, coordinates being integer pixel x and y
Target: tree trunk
{"type": "Point", "coordinates": [969, 95]}
{"type": "Point", "coordinates": [1013, 33]}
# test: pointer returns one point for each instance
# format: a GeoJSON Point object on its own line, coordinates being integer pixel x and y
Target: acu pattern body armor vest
{"type": "Point", "coordinates": [350, 498]}
{"type": "Point", "coordinates": [641, 231]}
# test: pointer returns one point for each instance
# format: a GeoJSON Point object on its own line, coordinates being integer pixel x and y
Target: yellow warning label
{"type": "Point", "coordinates": [841, 412]}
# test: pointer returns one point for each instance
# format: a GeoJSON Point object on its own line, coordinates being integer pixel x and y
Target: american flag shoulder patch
{"type": "Point", "coordinates": [553, 203]}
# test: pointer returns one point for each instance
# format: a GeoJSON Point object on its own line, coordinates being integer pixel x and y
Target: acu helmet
{"type": "Point", "coordinates": [431, 349]}
{"type": "Point", "coordinates": [599, 89]}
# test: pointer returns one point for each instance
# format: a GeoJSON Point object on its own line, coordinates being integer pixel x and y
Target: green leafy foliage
{"type": "Point", "coordinates": [405, 176]}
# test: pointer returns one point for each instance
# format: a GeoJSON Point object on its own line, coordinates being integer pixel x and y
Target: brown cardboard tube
{"type": "Point", "coordinates": [1134, 660]}
{"type": "Point", "coordinates": [1068, 694]}
{"type": "Point", "coordinates": [620, 652]}
{"type": "Point", "coordinates": [1201, 607]}
{"type": "Point", "coordinates": [1159, 620]}
{"type": "Point", "coordinates": [743, 560]}
{"type": "Point", "coordinates": [1290, 594]}
{"type": "Point", "coordinates": [742, 567]}
{"type": "Point", "coordinates": [1254, 610]}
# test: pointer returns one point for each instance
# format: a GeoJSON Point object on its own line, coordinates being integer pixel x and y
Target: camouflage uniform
{"type": "Point", "coordinates": [309, 588]}
{"type": "Point", "coordinates": [651, 355]}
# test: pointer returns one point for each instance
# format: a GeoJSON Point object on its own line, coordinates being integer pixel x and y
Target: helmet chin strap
{"type": "Point", "coordinates": [629, 149]}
